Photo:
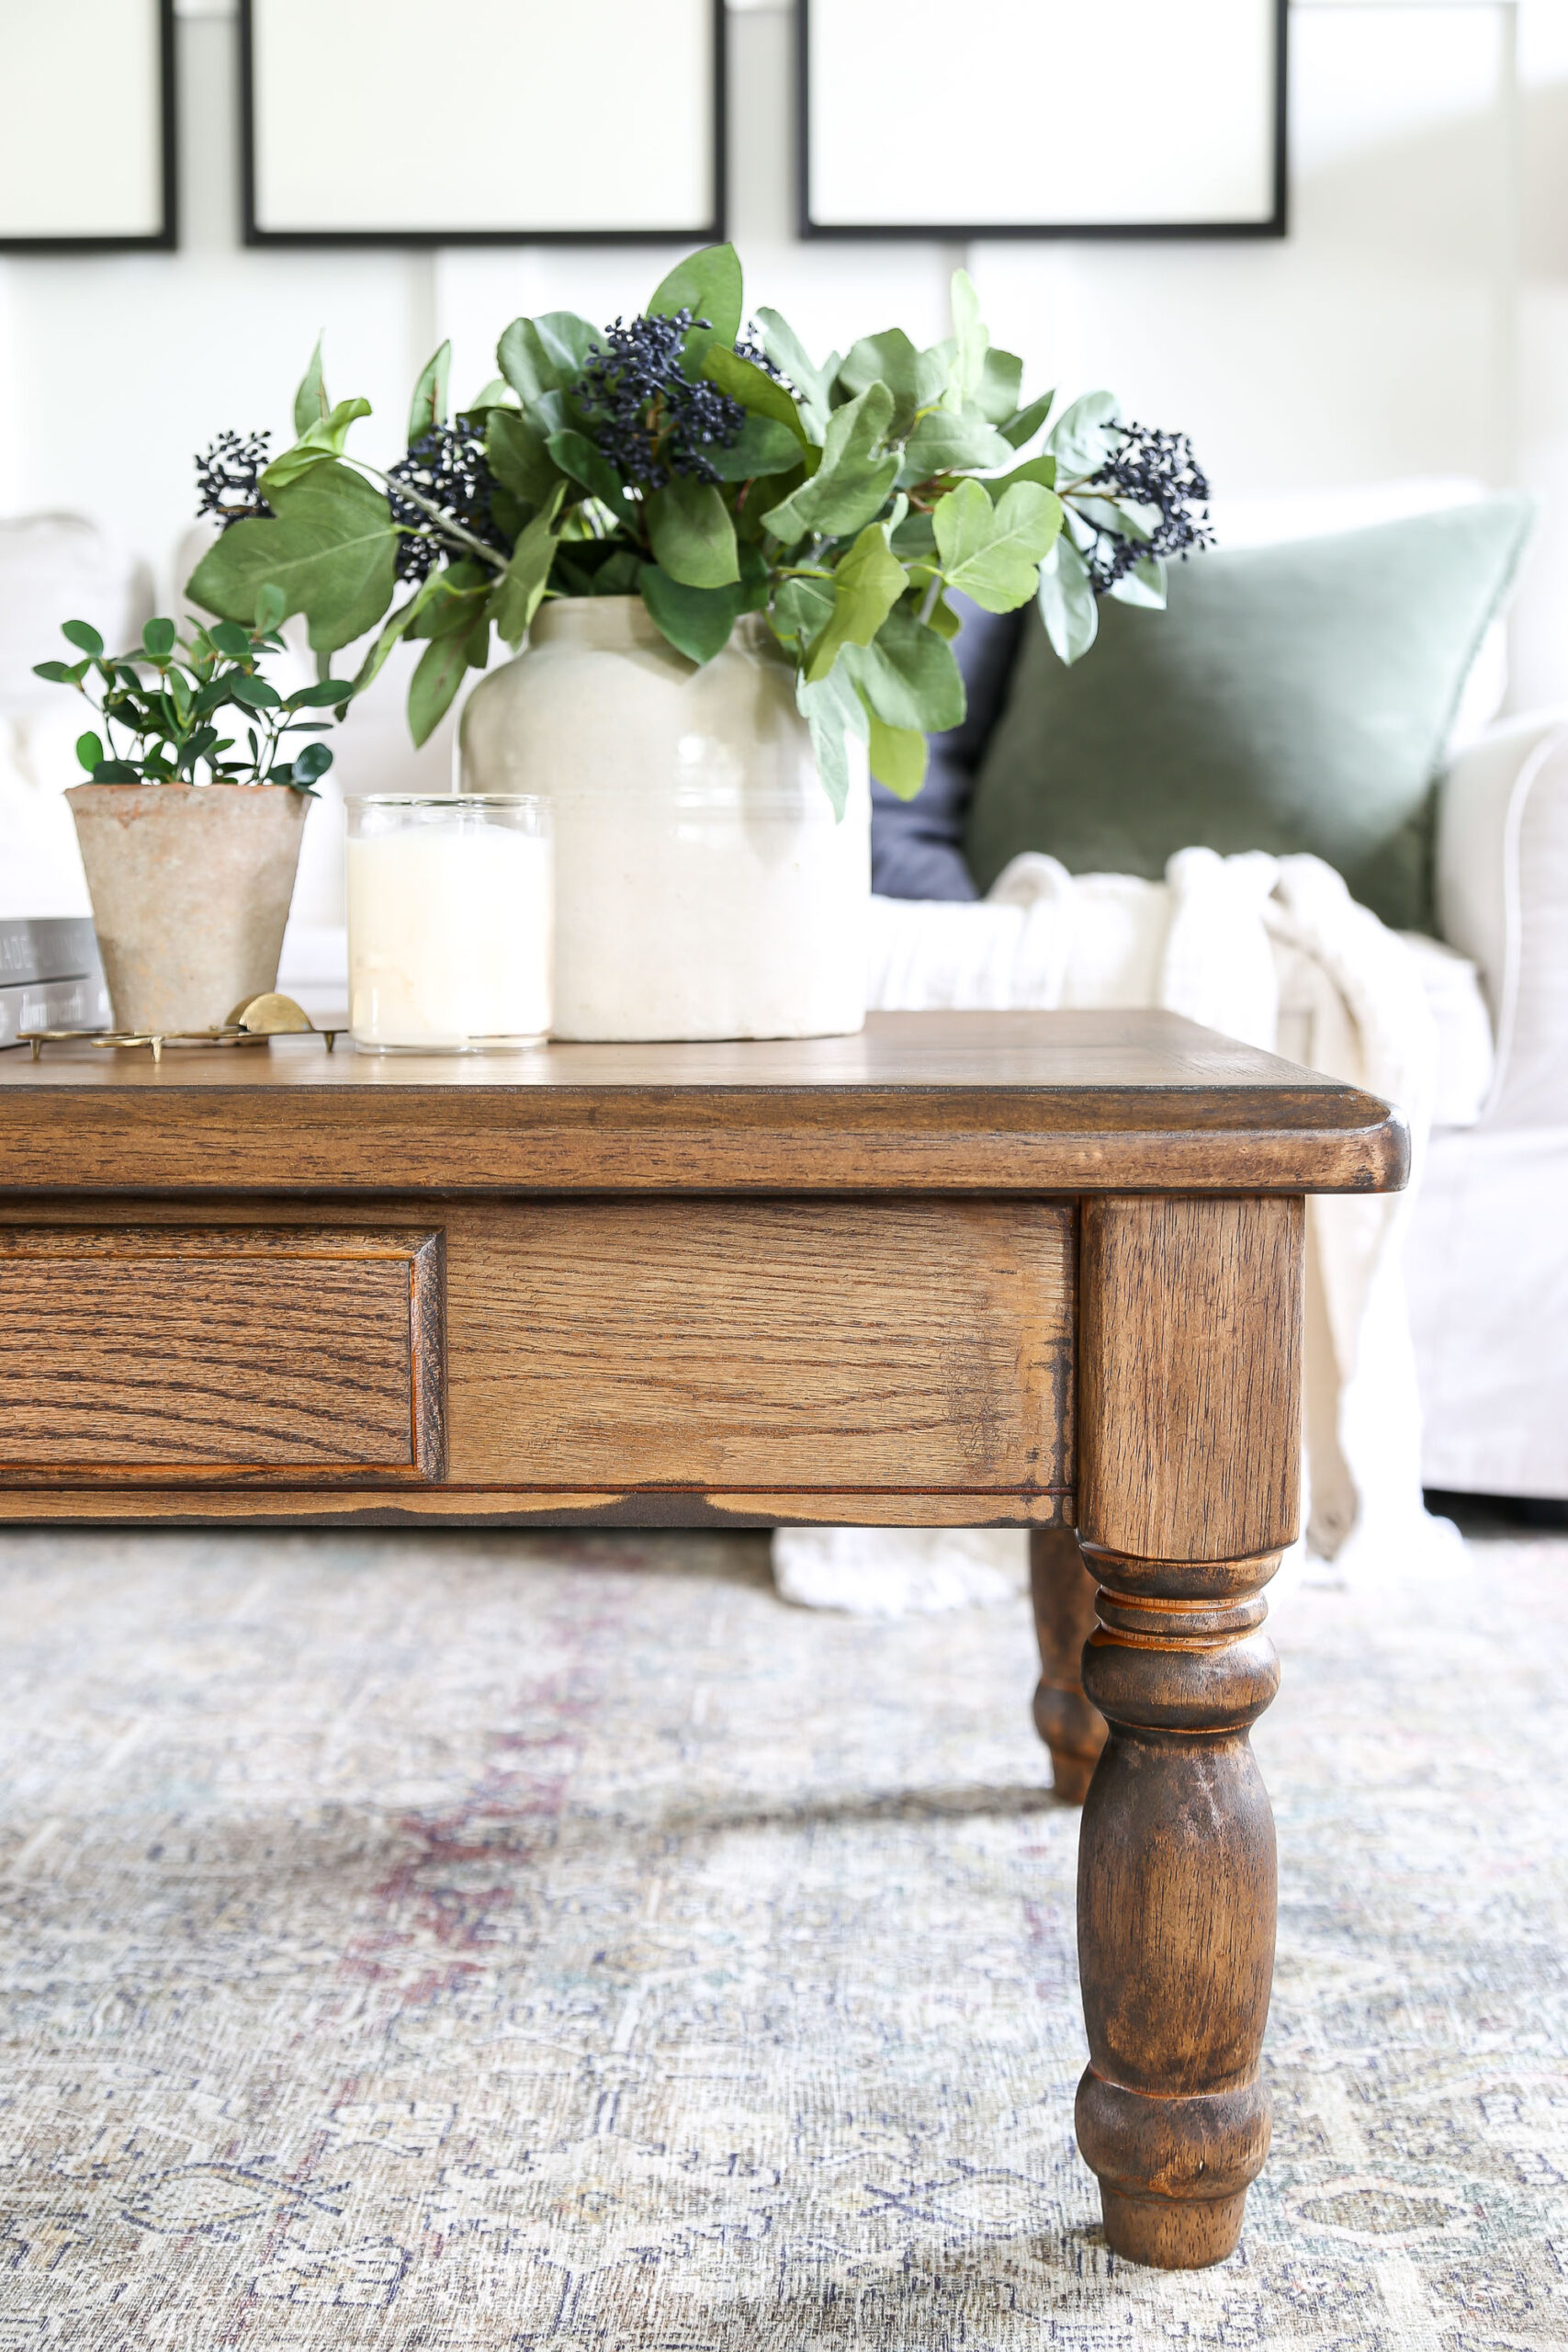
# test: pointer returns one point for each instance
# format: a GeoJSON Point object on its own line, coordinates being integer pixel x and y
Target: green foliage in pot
{"type": "Point", "coordinates": [714, 472]}
{"type": "Point", "coordinates": [164, 705]}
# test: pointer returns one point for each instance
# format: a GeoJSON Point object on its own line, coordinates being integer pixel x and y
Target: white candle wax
{"type": "Point", "coordinates": [449, 935]}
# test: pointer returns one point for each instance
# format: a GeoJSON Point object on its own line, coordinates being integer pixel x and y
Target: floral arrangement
{"type": "Point", "coordinates": [714, 473]}
{"type": "Point", "coordinates": [163, 705]}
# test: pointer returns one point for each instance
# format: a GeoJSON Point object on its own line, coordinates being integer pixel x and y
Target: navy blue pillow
{"type": "Point", "coordinates": [916, 845]}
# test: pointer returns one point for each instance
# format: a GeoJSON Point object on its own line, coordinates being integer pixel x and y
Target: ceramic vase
{"type": "Point", "coordinates": [703, 888]}
{"type": "Point", "coordinates": [190, 886]}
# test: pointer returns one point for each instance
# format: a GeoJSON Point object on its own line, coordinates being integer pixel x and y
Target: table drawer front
{"type": "Point", "coordinates": [228, 1353]}
{"type": "Point", "coordinates": [767, 1346]}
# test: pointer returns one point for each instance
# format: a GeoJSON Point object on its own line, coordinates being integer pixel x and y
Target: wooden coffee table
{"type": "Point", "coordinates": [1029, 1269]}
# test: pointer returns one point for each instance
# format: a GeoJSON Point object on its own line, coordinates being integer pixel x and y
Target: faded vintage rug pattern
{"type": "Point", "coordinates": [412, 1944]}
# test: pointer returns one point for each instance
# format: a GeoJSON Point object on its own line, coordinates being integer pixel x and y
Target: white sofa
{"type": "Point", "coordinates": [1488, 1248]}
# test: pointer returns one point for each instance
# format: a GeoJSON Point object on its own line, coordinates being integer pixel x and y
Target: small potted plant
{"type": "Point", "coordinates": [732, 566]}
{"type": "Point", "coordinates": [191, 822]}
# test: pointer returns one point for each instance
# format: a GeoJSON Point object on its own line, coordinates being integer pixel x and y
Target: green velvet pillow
{"type": "Point", "coordinates": [1291, 697]}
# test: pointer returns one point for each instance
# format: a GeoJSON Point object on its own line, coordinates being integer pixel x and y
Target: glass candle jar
{"type": "Point", "coordinates": [450, 922]}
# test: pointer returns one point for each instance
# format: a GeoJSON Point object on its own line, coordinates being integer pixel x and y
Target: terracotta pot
{"type": "Point", "coordinates": [190, 886]}
{"type": "Point", "coordinates": [703, 885]}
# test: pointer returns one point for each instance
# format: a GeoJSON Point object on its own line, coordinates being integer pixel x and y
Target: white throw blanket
{"type": "Point", "coordinates": [1273, 951]}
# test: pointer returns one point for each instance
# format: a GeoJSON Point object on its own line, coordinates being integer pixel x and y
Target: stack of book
{"type": "Point", "coordinates": [49, 976]}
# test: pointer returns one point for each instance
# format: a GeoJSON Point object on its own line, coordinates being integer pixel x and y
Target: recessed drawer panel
{"type": "Point", "coordinates": [209, 1352]}
{"type": "Point", "coordinates": [763, 1346]}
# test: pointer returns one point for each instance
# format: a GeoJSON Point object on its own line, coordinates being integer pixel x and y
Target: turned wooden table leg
{"type": "Point", "coordinates": [1189, 1393]}
{"type": "Point", "coordinates": [1064, 1592]}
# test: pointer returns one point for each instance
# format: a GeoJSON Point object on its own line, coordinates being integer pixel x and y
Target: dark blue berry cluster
{"type": "Point", "coordinates": [1150, 468]}
{"type": "Point", "coordinates": [448, 468]}
{"type": "Point", "coordinates": [229, 478]}
{"type": "Point", "coordinates": [645, 414]}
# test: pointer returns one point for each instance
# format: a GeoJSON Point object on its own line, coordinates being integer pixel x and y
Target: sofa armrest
{"type": "Point", "coordinates": [1502, 875]}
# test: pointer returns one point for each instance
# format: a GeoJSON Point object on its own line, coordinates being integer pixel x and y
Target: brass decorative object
{"type": "Point", "coordinates": [255, 1023]}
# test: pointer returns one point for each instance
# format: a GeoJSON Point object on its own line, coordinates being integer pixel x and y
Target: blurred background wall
{"type": "Point", "coordinates": [1415, 322]}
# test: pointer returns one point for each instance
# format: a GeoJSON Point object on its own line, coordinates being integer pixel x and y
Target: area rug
{"type": "Point", "coordinates": [477, 1941]}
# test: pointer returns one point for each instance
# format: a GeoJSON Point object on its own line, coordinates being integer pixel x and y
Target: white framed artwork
{"type": "Point", "coordinates": [1042, 117]}
{"type": "Point", "coordinates": [509, 121]}
{"type": "Point", "coordinates": [87, 161]}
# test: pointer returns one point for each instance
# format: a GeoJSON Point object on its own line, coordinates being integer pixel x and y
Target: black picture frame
{"type": "Point", "coordinates": [1275, 223]}
{"type": "Point", "coordinates": [709, 232]}
{"type": "Point", "coordinates": [166, 238]}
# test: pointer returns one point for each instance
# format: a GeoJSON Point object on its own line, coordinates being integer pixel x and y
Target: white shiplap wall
{"type": "Point", "coordinates": [1415, 322]}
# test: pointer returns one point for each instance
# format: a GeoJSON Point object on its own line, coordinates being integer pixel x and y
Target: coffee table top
{"type": "Point", "coordinates": [990, 1101]}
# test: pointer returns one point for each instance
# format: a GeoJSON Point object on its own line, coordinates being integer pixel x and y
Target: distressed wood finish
{"type": "Point", "coordinates": [157, 1354]}
{"type": "Point", "coordinates": [1063, 1590]}
{"type": "Point", "coordinates": [985, 1101]}
{"type": "Point", "coordinates": [1190, 1412]}
{"type": "Point", "coordinates": [732, 1285]}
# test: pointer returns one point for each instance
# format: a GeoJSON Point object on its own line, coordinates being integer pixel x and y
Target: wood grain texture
{"type": "Point", "coordinates": [297, 1503]}
{"type": "Point", "coordinates": [924, 1346]}
{"type": "Point", "coordinates": [1037, 1102]}
{"type": "Point", "coordinates": [1189, 1376]}
{"type": "Point", "coordinates": [1190, 1406]}
{"type": "Point", "coordinates": [152, 1353]}
{"type": "Point", "coordinates": [1063, 1590]}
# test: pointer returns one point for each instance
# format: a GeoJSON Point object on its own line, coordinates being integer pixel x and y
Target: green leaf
{"type": "Point", "coordinates": [232, 641]}
{"type": "Point", "coordinates": [789, 354]}
{"type": "Point", "coordinates": [440, 673]}
{"type": "Point", "coordinates": [908, 676]}
{"type": "Point", "coordinates": [82, 634]}
{"type": "Point", "coordinates": [755, 391]}
{"type": "Point", "coordinates": [517, 596]}
{"type": "Point", "coordinates": [899, 756]}
{"type": "Point", "coordinates": [1040, 469]}
{"type": "Point", "coordinates": [497, 393]}
{"type": "Point", "coordinates": [325, 692]}
{"type": "Point", "coordinates": [310, 763]}
{"type": "Point", "coordinates": [518, 456]}
{"type": "Point", "coordinates": [458, 593]}
{"type": "Point", "coordinates": [1023, 427]}
{"type": "Point", "coordinates": [576, 455]}
{"type": "Point", "coordinates": [971, 343]}
{"type": "Point", "coordinates": [1144, 586]}
{"type": "Point", "coordinates": [545, 355]}
{"type": "Point", "coordinates": [764, 447]}
{"type": "Point", "coordinates": [832, 710]}
{"type": "Point", "coordinates": [310, 404]}
{"type": "Point", "coordinates": [1080, 438]}
{"type": "Point", "coordinates": [89, 751]}
{"type": "Point", "coordinates": [693, 534]}
{"type": "Point", "coordinates": [323, 441]}
{"type": "Point", "coordinates": [708, 284]}
{"type": "Point", "coordinates": [851, 485]}
{"type": "Point", "coordinates": [993, 553]}
{"type": "Point", "coordinates": [944, 443]}
{"type": "Point", "coordinates": [1001, 380]}
{"type": "Point", "coordinates": [913, 538]}
{"type": "Point", "coordinates": [118, 771]}
{"type": "Point", "coordinates": [867, 583]}
{"type": "Point", "coordinates": [375, 659]}
{"type": "Point", "coordinates": [917, 380]}
{"type": "Point", "coordinates": [57, 674]}
{"type": "Point", "coordinates": [803, 608]}
{"type": "Point", "coordinates": [330, 551]}
{"type": "Point", "coordinates": [428, 407]}
{"type": "Point", "coordinates": [256, 694]}
{"type": "Point", "coordinates": [1067, 605]}
{"type": "Point", "coordinates": [270, 605]}
{"type": "Point", "coordinates": [697, 621]}
{"type": "Point", "coordinates": [158, 639]}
